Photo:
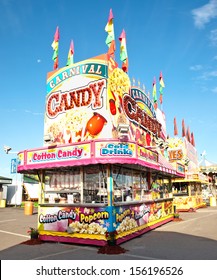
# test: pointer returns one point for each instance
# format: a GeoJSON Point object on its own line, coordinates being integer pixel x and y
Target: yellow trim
{"type": "Point", "coordinates": [189, 181]}
{"type": "Point", "coordinates": [73, 235]}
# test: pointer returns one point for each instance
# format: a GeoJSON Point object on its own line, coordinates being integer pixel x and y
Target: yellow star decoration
{"type": "Point", "coordinates": [77, 210]}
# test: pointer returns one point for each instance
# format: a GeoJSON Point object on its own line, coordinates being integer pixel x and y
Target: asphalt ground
{"type": "Point", "coordinates": [193, 238]}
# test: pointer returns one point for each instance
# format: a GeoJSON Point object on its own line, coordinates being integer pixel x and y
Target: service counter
{"type": "Point", "coordinates": [92, 223]}
{"type": "Point", "coordinates": [188, 194]}
{"type": "Point", "coordinates": [184, 203]}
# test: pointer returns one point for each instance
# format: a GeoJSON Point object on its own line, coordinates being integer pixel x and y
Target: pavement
{"type": "Point", "coordinates": [193, 238]}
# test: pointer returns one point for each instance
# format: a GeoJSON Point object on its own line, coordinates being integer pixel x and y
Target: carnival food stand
{"type": "Point", "coordinates": [187, 191]}
{"type": "Point", "coordinates": [188, 195]}
{"type": "Point", "coordinates": [99, 158]}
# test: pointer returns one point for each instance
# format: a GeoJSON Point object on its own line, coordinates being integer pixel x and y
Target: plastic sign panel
{"type": "Point", "coordinates": [90, 99]}
{"type": "Point", "coordinates": [13, 165]}
{"type": "Point", "coordinates": [60, 154]}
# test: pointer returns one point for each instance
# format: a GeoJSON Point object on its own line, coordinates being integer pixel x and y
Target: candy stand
{"type": "Point", "coordinates": [100, 159]}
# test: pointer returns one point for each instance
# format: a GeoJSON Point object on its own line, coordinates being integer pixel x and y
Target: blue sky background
{"type": "Point", "coordinates": [176, 37]}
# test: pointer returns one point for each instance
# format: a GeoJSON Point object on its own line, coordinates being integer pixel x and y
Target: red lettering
{"type": "Point", "coordinates": [139, 116]}
{"type": "Point", "coordinates": [60, 102]}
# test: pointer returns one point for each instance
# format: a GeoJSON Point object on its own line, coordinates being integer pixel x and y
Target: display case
{"type": "Point", "coordinates": [95, 186]}
{"type": "Point", "coordinates": [129, 185]}
{"type": "Point", "coordinates": [75, 185]}
{"type": "Point", "coordinates": [62, 187]}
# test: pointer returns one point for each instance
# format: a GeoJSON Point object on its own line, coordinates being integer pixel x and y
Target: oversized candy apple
{"type": "Point", "coordinates": [95, 124]}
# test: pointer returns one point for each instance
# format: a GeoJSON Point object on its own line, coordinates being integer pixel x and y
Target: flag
{"type": "Point", "coordinates": [134, 81]}
{"type": "Point", "coordinates": [70, 59]}
{"type": "Point", "coordinates": [192, 139]}
{"type": "Point", "coordinates": [188, 134]}
{"type": "Point", "coordinates": [110, 40]}
{"type": "Point", "coordinates": [154, 93]}
{"type": "Point", "coordinates": [55, 46]}
{"type": "Point", "coordinates": [183, 129]}
{"type": "Point", "coordinates": [123, 51]}
{"type": "Point", "coordinates": [175, 127]}
{"type": "Point", "coordinates": [162, 86]}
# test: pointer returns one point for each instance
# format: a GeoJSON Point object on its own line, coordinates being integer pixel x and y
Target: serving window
{"type": "Point", "coordinates": [128, 184]}
{"type": "Point", "coordinates": [94, 186]}
{"type": "Point", "coordinates": [64, 186]}
{"type": "Point", "coordinates": [88, 184]}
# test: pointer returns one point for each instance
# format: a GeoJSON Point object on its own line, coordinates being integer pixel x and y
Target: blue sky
{"type": "Point", "coordinates": [178, 38]}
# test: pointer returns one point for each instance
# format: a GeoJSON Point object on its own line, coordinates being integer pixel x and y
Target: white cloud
{"type": "Point", "coordinates": [208, 75]}
{"type": "Point", "coordinates": [213, 37]}
{"type": "Point", "coordinates": [212, 73]}
{"type": "Point", "coordinates": [196, 67]}
{"type": "Point", "coordinates": [32, 113]}
{"type": "Point", "coordinates": [205, 13]}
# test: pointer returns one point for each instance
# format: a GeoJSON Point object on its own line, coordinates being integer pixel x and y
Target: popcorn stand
{"type": "Point", "coordinates": [99, 158]}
